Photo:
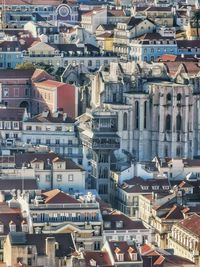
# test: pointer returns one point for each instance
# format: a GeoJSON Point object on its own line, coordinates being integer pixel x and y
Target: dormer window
{"type": "Point", "coordinates": [12, 226]}
{"type": "Point", "coordinates": [145, 187]}
{"type": "Point", "coordinates": [37, 166]}
{"type": "Point", "coordinates": [24, 226]}
{"type": "Point", "coordinates": [120, 256]}
{"type": "Point", "coordinates": [155, 187]}
{"type": "Point", "coordinates": [107, 225]}
{"type": "Point", "coordinates": [132, 253]}
{"type": "Point", "coordinates": [119, 224]}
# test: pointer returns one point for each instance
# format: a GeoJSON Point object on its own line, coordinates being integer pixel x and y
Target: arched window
{"type": "Point", "coordinates": [105, 173]}
{"type": "Point", "coordinates": [168, 123]}
{"type": "Point", "coordinates": [145, 114]}
{"type": "Point", "coordinates": [136, 114]}
{"type": "Point", "coordinates": [125, 121]}
{"type": "Point", "coordinates": [169, 98]}
{"type": "Point", "coordinates": [178, 122]}
{"type": "Point", "coordinates": [178, 151]}
{"type": "Point", "coordinates": [178, 97]}
{"type": "Point", "coordinates": [166, 151]}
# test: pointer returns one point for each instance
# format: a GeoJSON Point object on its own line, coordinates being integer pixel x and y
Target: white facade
{"type": "Point", "coordinates": [92, 19]}
{"type": "Point", "coordinates": [59, 136]}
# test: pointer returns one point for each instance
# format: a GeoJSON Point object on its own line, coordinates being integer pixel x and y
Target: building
{"type": "Point", "coordinates": [162, 16]}
{"type": "Point", "coordinates": [55, 130]}
{"type": "Point", "coordinates": [129, 192]}
{"type": "Point", "coordinates": [11, 220]}
{"type": "Point", "coordinates": [184, 238]}
{"type": "Point", "coordinates": [53, 95]}
{"type": "Point", "coordinates": [57, 212]}
{"type": "Point", "coordinates": [16, 87]}
{"type": "Point", "coordinates": [48, 169]}
{"type": "Point", "coordinates": [17, 13]}
{"type": "Point", "coordinates": [119, 227]}
{"type": "Point", "coordinates": [123, 253]}
{"type": "Point", "coordinates": [148, 99]}
{"type": "Point", "coordinates": [43, 28]}
{"type": "Point", "coordinates": [99, 138]}
{"type": "Point", "coordinates": [11, 120]}
{"type": "Point", "coordinates": [51, 171]}
{"type": "Point", "coordinates": [151, 46]}
{"type": "Point", "coordinates": [129, 30]}
{"type": "Point", "coordinates": [38, 249]}
{"type": "Point", "coordinates": [61, 55]}
{"type": "Point", "coordinates": [163, 218]}
{"type": "Point", "coordinates": [10, 53]}
{"type": "Point", "coordinates": [92, 19]}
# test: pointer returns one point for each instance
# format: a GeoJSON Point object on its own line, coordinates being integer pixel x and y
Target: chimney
{"type": "Point", "coordinates": [51, 251]}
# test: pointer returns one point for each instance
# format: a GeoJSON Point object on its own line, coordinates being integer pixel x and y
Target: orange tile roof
{"type": "Point", "coordinates": [49, 84]}
{"type": "Point", "coordinates": [92, 12]}
{"type": "Point", "coordinates": [159, 260]}
{"type": "Point", "coordinates": [56, 196]}
{"type": "Point", "coordinates": [191, 224]}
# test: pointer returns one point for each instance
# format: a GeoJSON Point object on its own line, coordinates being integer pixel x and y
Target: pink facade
{"type": "Point", "coordinates": [36, 91]}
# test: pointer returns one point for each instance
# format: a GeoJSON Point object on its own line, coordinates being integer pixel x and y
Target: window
{"type": "Point", "coordinates": [28, 128]}
{"type": "Point", "coordinates": [178, 98]}
{"type": "Point", "coordinates": [59, 177]}
{"type": "Point", "coordinates": [169, 98]}
{"type": "Point", "coordinates": [97, 63]}
{"type": "Point", "coordinates": [29, 261]}
{"type": "Point", "coordinates": [59, 128]}
{"type": "Point", "coordinates": [37, 166]}
{"type": "Point", "coordinates": [48, 178]}
{"type": "Point", "coordinates": [145, 114]}
{"type": "Point", "coordinates": [15, 124]}
{"type": "Point", "coordinates": [166, 151]}
{"type": "Point", "coordinates": [57, 142]}
{"type": "Point", "coordinates": [178, 122]}
{"type": "Point", "coordinates": [69, 142]}
{"type": "Point", "coordinates": [69, 151]}
{"type": "Point", "coordinates": [6, 92]}
{"type": "Point", "coordinates": [48, 141]}
{"type": "Point", "coordinates": [89, 63]}
{"type": "Point", "coordinates": [125, 121]}
{"type": "Point", "coordinates": [136, 114]}
{"type": "Point", "coordinates": [38, 128]}
{"type": "Point", "coordinates": [178, 151]}
{"type": "Point", "coordinates": [16, 92]}
{"type": "Point", "coordinates": [38, 141]}
{"type": "Point", "coordinates": [70, 177]}
{"type": "Point", "coordinates": [26, 92]}
{"type": "Point", "coordinates": [168, 123]}
{"type": "Point", "coordinates": [29, 250]}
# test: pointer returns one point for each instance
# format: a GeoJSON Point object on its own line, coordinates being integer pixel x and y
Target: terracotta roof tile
{"type": "Point", "coordinates": [57, 196]}
{"type": "Point", "coordinates": [102, 259]}
{"type": "Point", "coordinates": [191, 224]}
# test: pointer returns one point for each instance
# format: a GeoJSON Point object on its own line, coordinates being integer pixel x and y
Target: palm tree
{"type": "Point", "coordinates": [196, 18]}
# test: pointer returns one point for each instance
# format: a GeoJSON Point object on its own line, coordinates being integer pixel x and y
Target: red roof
{"type": "Point", "coordinates": [191, 224]}
{"type": "Point", "coordinates": [101, 258]}
{"type": "Point", "coordinates": [56, 197]}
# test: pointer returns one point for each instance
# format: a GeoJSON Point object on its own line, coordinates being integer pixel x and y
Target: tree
{"type": "Point", "coordinates": [196, 18]}
{"type": "Point", "coordinates": [25, 66]}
